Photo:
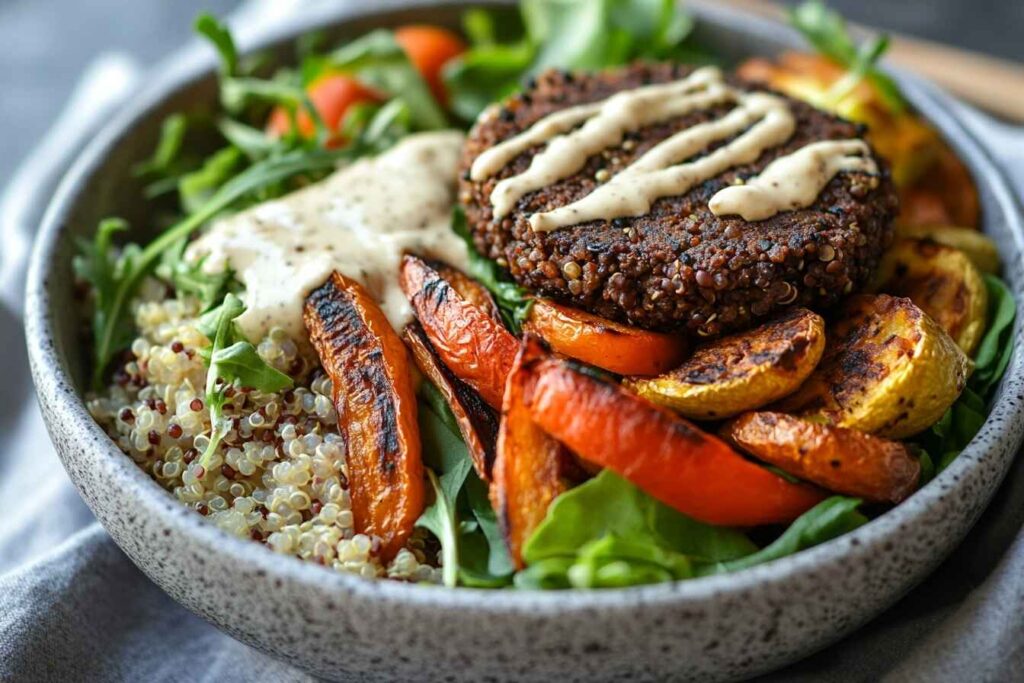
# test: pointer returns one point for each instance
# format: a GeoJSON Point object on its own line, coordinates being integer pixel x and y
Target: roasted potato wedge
{"type": "Point", "coordinates": [888, 369]}
{"type": "Point", "coordinates": [477, 421]}
{"type": "Point", "coordinates": [597, 341]}
{"type": "Point", "coordinates": [466, 337]}
{"type": "Point", "coordinates": [376, 403]}
{"type": "Point", "coordinates": [530, 465]}
{"type": "Point", "coordinates": [980, 249]}
{"type": "Point", "coordinates": [743, 371]}
{"type": "Point", "coordinates": [663, 454]}
{"type": "Point", "coordinates": [934, 185]}
{"type": "Point", "coordinates": [839, 459]}
{"type": "Point", "coordinates": [942, 282]}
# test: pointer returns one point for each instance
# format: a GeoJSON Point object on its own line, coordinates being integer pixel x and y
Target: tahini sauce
{"type": "Point", "coordinates": [359, 221]}
{"type": "Point", "coordinates": [759, 121]}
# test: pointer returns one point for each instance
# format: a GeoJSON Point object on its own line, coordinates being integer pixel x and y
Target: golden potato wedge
{"type": "Point", "coordinates": [942, 282]}
{"type": "Point", "coordinates": [839, 459]}
{"type": "Point", "coordinates": [980, 249]}
{"type": "Point", "coordinates": [888, 369]}
{"type": "Point", "coordinates": [743, 371]}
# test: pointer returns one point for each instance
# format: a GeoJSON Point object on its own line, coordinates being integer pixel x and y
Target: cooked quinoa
{"type": "Point", "coordinates": [279, 477]}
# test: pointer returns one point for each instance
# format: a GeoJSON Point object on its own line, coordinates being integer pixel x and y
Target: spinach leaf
{"type": "Point", "coordinates": [828, 519]}
{"type": "Point", "coordinates": [826, 31]}
{"type": "Point", "coordinates": [996, 347]}
{"type": "Point", "coordinates": [514, 302]}
{"type": "Point", "coordinates": [944, 440]}
{"type": "Point", "coordinates": [607, 531]}
{"type": "Point", "coordinates": [446, 454]}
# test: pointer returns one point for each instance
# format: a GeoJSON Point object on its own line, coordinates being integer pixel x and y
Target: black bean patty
{"type": "Point", "coordinates": [679, 266]}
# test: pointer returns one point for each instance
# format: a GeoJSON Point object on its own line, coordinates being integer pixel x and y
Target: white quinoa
{"type": "Point", "coordinates": [279, 476]}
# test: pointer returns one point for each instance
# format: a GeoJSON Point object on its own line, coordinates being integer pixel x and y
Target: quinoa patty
{"type": "Point", "coordinates": [679, 266]}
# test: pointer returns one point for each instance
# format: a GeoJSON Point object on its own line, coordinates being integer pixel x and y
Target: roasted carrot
{"type": "Point", "coordinates": [331, 95]}
{"type": "Point", "coordinates": [529, 467]}
{"type": "Point", "coordinates": [477, 421]}
{"type": "Point", "coordinates": [660, 452]}
{"type": "Point", "coordinates": [839, 459]}
{"type": "Point", "coordinates": [606, 344]}
{"type": "Point", "coordinates": [376, 403]}
{"type": "Point", "coordinates": [467, 338]}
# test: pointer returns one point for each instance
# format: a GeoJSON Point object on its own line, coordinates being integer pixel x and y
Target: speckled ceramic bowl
{"type": "Point", "coordinates": [344, 627]}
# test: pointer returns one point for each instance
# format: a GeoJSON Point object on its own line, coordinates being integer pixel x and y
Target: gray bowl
{"type": "Point", "coordinates": [344, 627]}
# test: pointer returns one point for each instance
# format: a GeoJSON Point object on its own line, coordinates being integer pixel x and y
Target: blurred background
{"type": "Point", "coordinates": [45, 44]}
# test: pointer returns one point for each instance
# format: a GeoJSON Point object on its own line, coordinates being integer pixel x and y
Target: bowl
{"type": "Point", "coordinates": [348, 628]}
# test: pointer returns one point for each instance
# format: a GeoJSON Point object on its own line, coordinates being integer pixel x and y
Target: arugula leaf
{"type": "Point", "coordinates": [98, 264]}
{"type": "Point", "coordinates": [514, 302]}
{"type": "Point", "coordinates": [607, 531]}
{"type": "Point", "coordinates": [826, 31]}
{"type": "Point", "coordinates": [230, 359]}
{"type": "Point", "coordinates": [196, 188]}
{"type": "Point", "coordinates": [220, 36]}
{"type": "Point", "coordinates": [172, 136]}
{"type": "Point", "coordinates": [498, 568]}
{"type": "Point", "coordinates": [189, 279]}
{"type": "Point", "coordinates": [111, 323]}
{"type": "Point", "coordinates": [377, 60]}
{"type": "Point", "coordinates": [828, 519]}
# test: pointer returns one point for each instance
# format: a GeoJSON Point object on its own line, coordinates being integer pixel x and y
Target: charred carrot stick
{"type": "Point", "coordinates": [529, 467]}
{"type": "Point", "coordinates": [660, 452]}
{"type": "Point", "coordinates": [477, 421]}
{"type": "Point", "coordinates": [376, 403]}
{"type": "Point", "coordinates": [843, 460]}
{"type": "Point", "coordinates": [467, 338]}
{"type": "Point", "coordinates": [622, 349]}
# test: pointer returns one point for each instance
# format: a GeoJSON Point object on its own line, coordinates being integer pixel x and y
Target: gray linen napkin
{"type": "Point", "coordinates": [73, 607]}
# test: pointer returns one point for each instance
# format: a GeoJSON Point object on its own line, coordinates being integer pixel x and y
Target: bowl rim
{"type": "Point", "coordinates": [190, 64]}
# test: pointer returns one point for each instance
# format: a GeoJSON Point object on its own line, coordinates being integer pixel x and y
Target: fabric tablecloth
{"type": "Point", "coordinates": [73, 607]}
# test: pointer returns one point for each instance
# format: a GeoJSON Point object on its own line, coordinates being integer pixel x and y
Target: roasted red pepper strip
{"type": "Point", "coordinates": [663, 454]}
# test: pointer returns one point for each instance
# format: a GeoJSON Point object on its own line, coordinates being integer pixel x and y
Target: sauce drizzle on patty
{"type": "Point", "coordinates": [758, 122]}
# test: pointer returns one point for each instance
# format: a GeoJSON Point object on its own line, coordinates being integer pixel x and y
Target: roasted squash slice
{"type": "Point", "coordinates": [980, 249]}
{"type": "Point", "coordinates": [888, 369]}
{"type": "Point", "coordinates": [743, 371]}
{"type": "Point", "coordinates": [597, 341]}
{"type": "Point", "coordinates": [477, 421]}
{"type": "Point", "coordinates": [942, 282]}
{"type": "Point", "coordinates": [838, 459]}
{"type": "Point", "coordinates": [529, 470]}
{"type": "Point", "coordinates": [376, 403]}
{"type": "Point", "coordinates": [663, 454]}
{"type": "Point", "coordinates": [467, 338]}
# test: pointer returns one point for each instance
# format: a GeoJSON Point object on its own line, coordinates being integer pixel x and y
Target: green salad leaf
{"type": "Point", "coordinates": [219, 35]}
{"type": "Point", "coordinates": [606, 529]}
{"type": "Point", "coordinates": [828, 519]}
{"type": "Point", "coordinates": [567, 34]}
{"type": "Point", "coordinates": [826, 31]}
{"type": "Point", "coordinates": [944, 440]}
{"type": "Point", "coordinates": [514, 302]}
{"type": "Point", "coordinates": [460, 516]}
{"type": "Point", "coordinates": [231, 359]}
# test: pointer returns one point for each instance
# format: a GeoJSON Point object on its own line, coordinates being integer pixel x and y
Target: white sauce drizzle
{"type": "Point", "coordinates": [793, 181]}
{"type": "Point", "coordinates": [758, 122]}
{"type": "Point", "coordinates": [359, 221]}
